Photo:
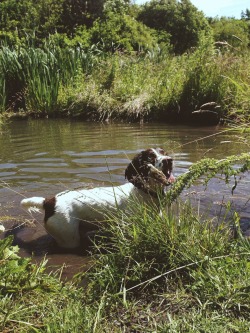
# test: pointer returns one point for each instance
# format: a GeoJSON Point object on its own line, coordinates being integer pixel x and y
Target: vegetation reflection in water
{"type": "Point", "coordinates": [57, 150]}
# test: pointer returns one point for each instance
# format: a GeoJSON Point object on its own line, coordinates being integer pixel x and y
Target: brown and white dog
{"type": "Point", "coordinates": [65, 214]}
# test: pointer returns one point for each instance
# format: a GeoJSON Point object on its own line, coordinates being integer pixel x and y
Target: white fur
{"type": "Point", "coordinates": [69, 211]}
{"type": "Point", "coordinates": [2, 229]}
{"type": "Point", "coordinates": [33, 204]}
{"type": "Point", "coordinates": [84, 206]}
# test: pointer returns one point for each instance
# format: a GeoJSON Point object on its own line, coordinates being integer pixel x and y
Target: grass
{"type": "Point", "coordinates": [177, 271]}
{"type": "Point", "coordinates": [155, 273]}
{"type": "Point", "coordinates": [171, 274]}
{"type": "Point", "coordinates": [94, 85]}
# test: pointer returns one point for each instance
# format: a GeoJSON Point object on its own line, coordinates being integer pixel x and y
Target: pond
{"type": "Point", "coordinates": [44, 157]}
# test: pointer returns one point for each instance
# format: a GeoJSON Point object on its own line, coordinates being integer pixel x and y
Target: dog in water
{"type": "Point", "coordinates": [148, 174]}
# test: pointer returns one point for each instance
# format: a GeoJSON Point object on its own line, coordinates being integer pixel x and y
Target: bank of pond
{"type": "Point", "coordinates": [153, 86]}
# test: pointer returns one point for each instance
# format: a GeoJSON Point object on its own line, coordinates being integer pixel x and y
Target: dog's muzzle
{"type": "Point", "coordinates": [167, 168]}
{"type": "Point", "coordinates": [163, 177]}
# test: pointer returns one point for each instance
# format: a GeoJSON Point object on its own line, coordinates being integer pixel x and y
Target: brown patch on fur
{"type": "Point", "coordinates": [137, 171]}
{"type": "Point", "coordinates": [49, 207]}
{"type": "Point", "coordinates": [142, 168]}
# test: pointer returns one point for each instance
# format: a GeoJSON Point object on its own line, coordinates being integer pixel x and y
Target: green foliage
{"type": "Point", "coordinates": [234, 32]}
{"type": "Point", "coordinates": [32, 300]}
{"type": "Point", "coordinates": [28, 16]}
{"type": "Point", "coordinates": [240, 109]}
{"type": "Point", "coordinates": [17, 15]}
{"type": "Point", "coordinates": [42, 75]}
{"type": "Point", "coordinates": [173, 266]}
{"type": "Point", "coordinates": [59, 57]}
{"type": "Point", "coordinates": [177, 271]}
{"type": "Point", "coordinates": [225, 289]}
{"type": "Point", "coordinates": [122, 32]}
{"type": "Point", "coordinates": [245, 15]}
{"type": "Point", "coordinates": [12, 78]}
{"type": "Point", "coordinates": [31, 76]}
{"type": "Point", "coordinates": [195, 269]}
{"type": "Point", "coordinates": [146, 243]}
{"type": "Point", "coordinates": [17, 274]}
{"type": "Point", "coordinates": [180, 19]}
{"type": "Point", "coordinates": [63, 78]}
{"type": "Point", "coordinates": [116, 6]}
{"type": "Point", "coordinates": [210, 167]}
{"type": "Point", "coordinates": [77, 13]}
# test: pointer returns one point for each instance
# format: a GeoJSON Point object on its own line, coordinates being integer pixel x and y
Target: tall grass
{"type": "Point", "coordinates": [96, 85]}
{"type": "Point", "coordinates": [2, 95]}
{"type": "Point", "coordinates": [11, 81]}
{"type": "Point", "coordinates": [42, 80]}
{"type": "Point", "coordinates": [177, 271]}
{"type": "Point", "coordinates": [158, 87]}
{"type": "Point", "coordinates": [170, 274]}
{"type": "Point", "coordinates": [240, 108]}
{"type": "Point", "coordinates": [36, 74]}
{"type": "Point", "coordinates": [174, 271]}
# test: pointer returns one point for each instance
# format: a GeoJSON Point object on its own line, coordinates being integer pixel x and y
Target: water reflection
{"type": "Point", "coordinates": [71, 151]}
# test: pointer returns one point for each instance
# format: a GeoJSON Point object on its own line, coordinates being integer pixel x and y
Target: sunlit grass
{"type": "Point", "coordinates": [163, 268]}
{"type": "Point", "coordinates": [170, 271]}
{"type": "Point", "coordinates": [94, 85]}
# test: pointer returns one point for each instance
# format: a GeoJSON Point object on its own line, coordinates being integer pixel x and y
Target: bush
{"type": "Point", "coordinates": [122, 32]}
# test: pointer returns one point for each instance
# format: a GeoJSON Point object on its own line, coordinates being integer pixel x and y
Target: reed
{"type": "Point", "coordinates": [39, 72]}
{"type": "Point", "coordinates": [2, 95]}
{"type": "Point", "coordinates": [173, 271]}
{"type": "Point", "coordinates": [96, 85]}
{"type": "Point", "coordinates": [42, 80]}
{"type": "Point", "coordinates": [12, 79]}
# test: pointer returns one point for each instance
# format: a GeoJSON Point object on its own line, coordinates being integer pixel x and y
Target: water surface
{"type": "Point", "coordinates": [43, 157]}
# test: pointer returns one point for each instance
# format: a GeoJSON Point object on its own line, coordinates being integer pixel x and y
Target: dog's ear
{"type": "Point", "coordinates": [137, 170]}
{"type": "Point", "coordinates": [132, 169]}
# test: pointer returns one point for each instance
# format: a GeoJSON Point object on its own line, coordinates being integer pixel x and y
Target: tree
{"type": "Point", "coordinates": [122, 32]}
{"type": "Point", "coordinates": [180, 19]}
{"type": "Point", "coordinates": [80, 12]}
{"type": "Point", "coordinates": [245, 15]}
{"type": "Point", "coordinates": [28, 16]}
{"type": "Point", "coordinates": [17, 15]}
{"type": "Point", "coordinates": [233, 31]}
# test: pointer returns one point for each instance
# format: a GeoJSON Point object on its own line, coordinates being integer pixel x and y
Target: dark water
{"type": "Point", "coordinates": [43, 157]}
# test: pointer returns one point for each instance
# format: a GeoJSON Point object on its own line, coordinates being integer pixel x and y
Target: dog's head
{"type": "Point", "coordinates": [150, 169]}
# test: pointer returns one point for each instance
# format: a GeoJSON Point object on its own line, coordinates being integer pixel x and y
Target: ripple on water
{"type": "Point", "coordinates": [44, 157]}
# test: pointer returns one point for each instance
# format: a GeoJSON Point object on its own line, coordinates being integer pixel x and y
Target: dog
{"type": "Point", "coordinates": [148, 175]}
